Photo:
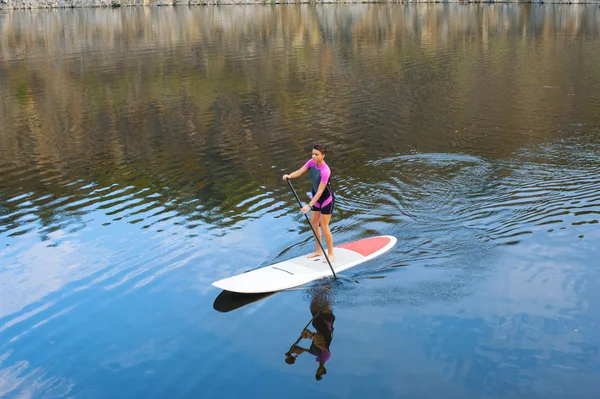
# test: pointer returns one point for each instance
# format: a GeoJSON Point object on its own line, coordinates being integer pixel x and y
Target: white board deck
{"type": "Point", "coordinates": [301, 270]}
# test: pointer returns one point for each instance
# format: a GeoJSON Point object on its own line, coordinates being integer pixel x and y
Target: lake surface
{"type": "Point", "coordinates": [141, 155]}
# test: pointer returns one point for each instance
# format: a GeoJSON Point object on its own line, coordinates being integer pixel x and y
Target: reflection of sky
{"type": "Point", "coordinates": [112, 255]}
{"type": "Point", "coordinates": [132, 304]}
{"type": "Point", "coordinates": [530, 327]}
{"type": "Point", "coordinates": [525, 327]}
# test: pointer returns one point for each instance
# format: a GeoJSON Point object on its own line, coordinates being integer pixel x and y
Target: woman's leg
{"type": "Point", "coordinates": [324, 220]}
{"type": "Point", "coordinates": [315, 216]}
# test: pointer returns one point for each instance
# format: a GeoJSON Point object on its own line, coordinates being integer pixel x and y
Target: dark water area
{"type": "Point", "coordinates": [141, 155]}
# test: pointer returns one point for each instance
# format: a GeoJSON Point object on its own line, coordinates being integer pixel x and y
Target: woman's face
{"type": "Point", "coordinates": [317, 156]}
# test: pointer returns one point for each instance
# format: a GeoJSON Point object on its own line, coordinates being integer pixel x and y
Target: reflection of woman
{"type": "Point", "coordinates": [322, 321]}
{"type": "Point", "coordinates": [322, 201]}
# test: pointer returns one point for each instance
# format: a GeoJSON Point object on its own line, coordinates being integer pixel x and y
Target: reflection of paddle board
{"type": "Point", "coordinates": [227, 301]}
{"type": "Point", "coordinates": [301, 270]}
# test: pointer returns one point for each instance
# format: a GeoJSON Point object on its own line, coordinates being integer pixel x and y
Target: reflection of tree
{"type": "Point", "coordinates": [196, 106]}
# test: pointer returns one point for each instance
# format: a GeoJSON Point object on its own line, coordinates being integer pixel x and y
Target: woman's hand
{"type": "Point", "coordinates": [285, 177]}
{"type": "Point", "coordinates": [306, 208]}
{"type": "Point", "coordinates": [307, 334]}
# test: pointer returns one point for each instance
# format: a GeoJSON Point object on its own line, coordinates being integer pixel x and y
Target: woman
{"type": "Point", "coordinates": [322, 200]}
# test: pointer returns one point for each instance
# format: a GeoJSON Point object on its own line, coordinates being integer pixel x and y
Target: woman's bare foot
{"type": "Point", "coordinates": [331, 258]}
{"type": "Point", "coordinates": [315, 254]}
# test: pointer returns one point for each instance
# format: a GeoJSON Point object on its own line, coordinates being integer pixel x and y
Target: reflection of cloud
{"type": "Point", "coordinates": [123, 255]}
{"type": "Point", "coordinates": [25, 316]}
{"type": "Point", "coordinates": [539, 275]}
{"type": "Point", "coordinates": [147, 351]}
{"type": "Point", "coordinates": [37, 270]}
{"type": "Point", "coordinates": [542, 277]}
{"type": "Point", "coordinates": [24, 383]}
{"type": "Point", "coordinates": [11, 377]}
{"type": "Point", "coordinates": [34, 270]}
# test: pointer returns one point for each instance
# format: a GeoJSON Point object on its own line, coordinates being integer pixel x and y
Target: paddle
{"type": "Point", "coordinates": [312, 228]}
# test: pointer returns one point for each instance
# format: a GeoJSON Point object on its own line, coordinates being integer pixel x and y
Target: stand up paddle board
{"type": "Point", "coordinates": [301, 270]}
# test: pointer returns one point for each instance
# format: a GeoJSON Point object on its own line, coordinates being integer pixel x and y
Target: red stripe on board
{"type": "Point", "coordinates": [367, 246]}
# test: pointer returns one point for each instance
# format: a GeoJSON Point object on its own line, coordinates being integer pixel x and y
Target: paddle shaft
{"type": "Point", "coordinates": [300, 337]}
{"type": "Point", "coordinates": [312, 228]}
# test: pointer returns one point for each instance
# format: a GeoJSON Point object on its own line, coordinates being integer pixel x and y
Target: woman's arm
{"type": "Point", "coordinates": [295, 174]}
{"type": "Point", "coordinates": [314, 199]}
{"type": "Point", "coordinates": [298, 350]}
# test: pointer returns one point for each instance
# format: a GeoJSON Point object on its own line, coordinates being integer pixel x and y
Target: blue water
{"type": "Point", "coordinates": [141, 154]}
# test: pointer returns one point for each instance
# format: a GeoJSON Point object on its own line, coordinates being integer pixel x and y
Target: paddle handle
{"type": "Point", "coordinates": [312, 228]}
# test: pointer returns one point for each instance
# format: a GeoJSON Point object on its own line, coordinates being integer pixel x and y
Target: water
{"type": "Point", "coordinates": [141, 154]}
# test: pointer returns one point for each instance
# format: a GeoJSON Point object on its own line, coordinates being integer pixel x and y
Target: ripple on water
{"type": "Point", "coordinates": [443, 206]}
